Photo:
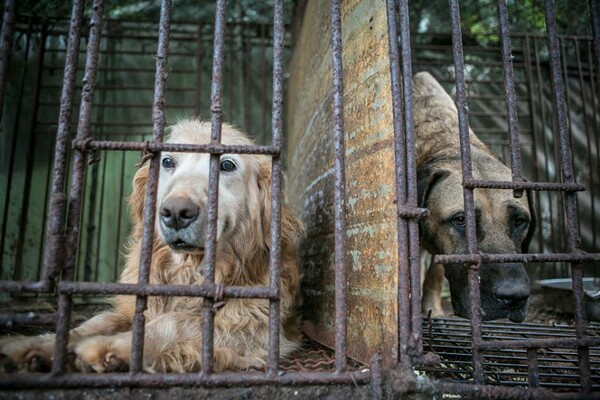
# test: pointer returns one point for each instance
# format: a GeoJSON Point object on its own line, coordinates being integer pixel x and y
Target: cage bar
{"type": "Point", "coordinates": [213, 185]}
{"type": "Point", "coordinates": [276, 185]}
{"type": "Point", "coordinates": [6, 45]}
{"type": "Point", "coordinates": [566, 161]}
{"type": "Point", "coordinates": [400, 164]}
{"type": "Point", "coordinates": [465, 151]}
{"type": "Point", "coordinates": [339, 189]}
{"type": "Point", "coordinates": [76, 188]}
{"type": "Point", "coordinates": [511, 104]}
{"type": "Point", "coordinates": [158, 121]}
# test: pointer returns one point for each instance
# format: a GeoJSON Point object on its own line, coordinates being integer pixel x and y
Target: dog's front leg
{"type": "Point", "coordinates": [432, 291]}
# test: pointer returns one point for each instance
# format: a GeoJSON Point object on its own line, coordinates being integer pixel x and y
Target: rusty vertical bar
{"type": "Point", "coordinates": [12, 155]}
{"type": "Point", "coordinates": [29, 155]}
{"type": "Point", "coordinates": [535, 129]}
{"type": "Point", "coordinates": [545, 145]}
{"type": "Point", "coordinates": [263, 61]}
{"type": "Point", "coordinates": [6, 44]}
{"type": "Point", "coordinates": [158, 128]}
{"type": "Point", "coordinates": [588, 132]}
{"type": "Point", "coordinates": [54, 240]}
{"type": "Point", "coordinates": [566, 161]}
{"type": "Point", "coordinates": [377, 375]}
{"type": "Point", "coordinates": [400, 166]}
{"type": "Point", "coordinates": [595, 123]}
{"type": "Point", "coordinates": [246, 86]}
{"type": "Point", "coordinates": [595, 20]}
{"type": "Point", "coordinates": [276, 184]}
{"type": "Point", "coordinates": [199, 54]}
{"type": "Point", "coordinates": [533, 369]}
{"type": "Point", "coordinates": [77, 184]}
{"type": "Point", "coordinates": [415, 340]}
{"type": "Point", "coordinates": [213, 182]}
{"type": "Point", "coordinates": [511, 102]}
{"type": "Point", "coordinates": [465, 151]}
{"type": "Point", "coordinates": [339, 188]}
{"type": "Point", "coordinates": [95, 231]}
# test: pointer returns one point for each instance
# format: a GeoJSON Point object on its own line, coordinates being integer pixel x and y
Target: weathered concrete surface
{"type": "Point", "coordinates": [371, 234]}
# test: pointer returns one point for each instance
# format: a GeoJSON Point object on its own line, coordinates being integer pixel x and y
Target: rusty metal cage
{"type": "Point", "coordinates": [470, 373]}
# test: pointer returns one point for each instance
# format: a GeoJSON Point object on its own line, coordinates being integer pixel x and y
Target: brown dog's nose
{"type": "Point", "coordinates": [513, 296]}
{"type": "Point", "coordinates": [179, 212]}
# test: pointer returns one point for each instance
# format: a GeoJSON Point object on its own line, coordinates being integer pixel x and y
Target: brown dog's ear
{"type": "Point", "coordinates": [532, 223]}
{"type": "Point", "coordinates": [291, 226]}
{"type": "Point", "coordinates": [427, 177]}
{"type": "Point", "coordinates": [136, 200]}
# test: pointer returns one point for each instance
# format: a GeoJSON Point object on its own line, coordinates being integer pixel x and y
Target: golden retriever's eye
{"type": "Point", "coordinates": [228, 166]}
{"type": "Point", "coordinates": [168, 163]}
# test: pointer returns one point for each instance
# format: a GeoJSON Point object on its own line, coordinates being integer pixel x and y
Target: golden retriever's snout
{"type": "Point", "coordinates": [179, 213]}
{"type": "Point", "coordinates": [181, 223]}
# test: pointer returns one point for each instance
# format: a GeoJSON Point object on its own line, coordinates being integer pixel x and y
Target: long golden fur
{"type": "Point", "coordinates": [173, 330]}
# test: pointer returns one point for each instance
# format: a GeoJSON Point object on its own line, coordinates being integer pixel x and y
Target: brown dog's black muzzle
{"type": "Point", "coordinates": [504, 290]}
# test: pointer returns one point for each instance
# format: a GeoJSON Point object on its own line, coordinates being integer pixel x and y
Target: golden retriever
{"type": "Point", "coordinates": [173, 329]}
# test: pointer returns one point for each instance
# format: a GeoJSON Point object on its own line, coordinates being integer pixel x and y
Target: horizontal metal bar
{"type": "Point", "coordinates": [26, 286]}
{"type": "Point", "coordinates": [412, 212]}
{"type": "Point", "coordinates": [176, 147]}
{"type": "Point", "coordinates": [551, 186]}
{"type": "Point", "coordinates": [120, 105]}
{"type": "Point", "coordinates": [505, 258]}
{"type": "Point", "coordinates": [496, 392]}
{"type": "Point", "coordinates": [126, 87]}
{"type": "Point", "coordinates": [29, 318]}
{"type": "Point", "coordinates": [538, 343]}
{"type": "Point", "coordinates": [202, 290]}
{"type": "Point", "coordinates": [462, 348]}
{"type": "Point", "coordinates": [507, 361]}
{"type": "Point", "coordinates": [15, 381]}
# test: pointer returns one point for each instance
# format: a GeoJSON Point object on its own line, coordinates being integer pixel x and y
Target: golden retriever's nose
{"type": "Point", "coordinates": [178, 212]}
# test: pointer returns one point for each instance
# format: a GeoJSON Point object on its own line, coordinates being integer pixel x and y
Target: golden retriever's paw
{"type": "Point", "coordinates": [225, 359]}
{"type": "Point", "coordinates": [26, 353]}
{"type": "Point", "coordinates": [102, 354]}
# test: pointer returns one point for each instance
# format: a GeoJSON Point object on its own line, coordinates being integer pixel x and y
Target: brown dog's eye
{"type": "Point", "coordinates": [228, 166]}
{"type": "Point", "coordinates": [168, 163]}
{"type": "Point", "coordinates": [521, 223]}
{"type": "Point", "coordinates": [459, 221]}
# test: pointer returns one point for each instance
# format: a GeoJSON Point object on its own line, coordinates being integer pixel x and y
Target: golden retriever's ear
{"type": "Point", "coordinates": [136, 200]}
{"type": "Point", "coordinates": [291, 226]}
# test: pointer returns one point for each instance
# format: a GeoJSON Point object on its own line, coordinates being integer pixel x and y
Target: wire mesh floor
{"type": "Point", "coordinates": [450, 338]}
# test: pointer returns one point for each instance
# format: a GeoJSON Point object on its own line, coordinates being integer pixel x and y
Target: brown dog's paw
{"type": "Point", "coordinates": [102, 354]}
{"type": "Point", "coordinates": [26, 353]}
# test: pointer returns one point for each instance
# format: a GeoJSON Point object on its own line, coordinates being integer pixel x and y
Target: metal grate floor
{"type": "Point", "coordinates": [450, 338]}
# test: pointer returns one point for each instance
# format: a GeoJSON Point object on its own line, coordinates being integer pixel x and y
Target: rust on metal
{"type": "Point", "coordinates": [6, 45]}
{"type": "Point", "coordinates": [149, 214]}
{"type": "Point", "coordinates": [276, 188]}
{"type": "Point", "coordinates": [213, 183]}
{"type": "Point", "coordinates": [339, 155]}
{"type": "Point", "coordinates": [465, 150]}
{"type": "Point", "coordinates": [77, 184]}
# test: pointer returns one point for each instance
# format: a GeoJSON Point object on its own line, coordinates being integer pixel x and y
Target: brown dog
{"type": "Point", "coordinates": [173, 331]}
{"type": "Point", "coordinates": [505, 224]}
